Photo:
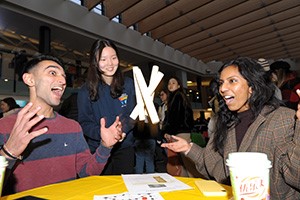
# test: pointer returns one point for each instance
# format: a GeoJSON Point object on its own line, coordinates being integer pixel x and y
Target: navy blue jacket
{"type": "Point", "coordinates": [90, 112]}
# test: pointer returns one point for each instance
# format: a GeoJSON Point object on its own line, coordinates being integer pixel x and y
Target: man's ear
{"type": "Point", "coordinates": [28, 79]}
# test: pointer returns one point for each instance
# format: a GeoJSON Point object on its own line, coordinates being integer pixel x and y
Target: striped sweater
{"type": "Point", "coordinates": [59, 155]}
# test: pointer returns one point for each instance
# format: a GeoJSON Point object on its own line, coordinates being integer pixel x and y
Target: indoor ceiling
{"type": "Point", "coordinates": [208, 30]}
{"type": "Point", "coordinates": [215, 29]}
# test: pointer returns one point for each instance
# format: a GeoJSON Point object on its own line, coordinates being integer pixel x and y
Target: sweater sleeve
{"type": "Point", "coordinates": [128, 123]}
{"type": "Point", "coordinates": [286, 162]}
{"type": "Point", "coordinates": [86, 117]}
{"type": "Point", "coordinates": [90, 164]}
{"type": "Point", "coordinates": [209, 162]}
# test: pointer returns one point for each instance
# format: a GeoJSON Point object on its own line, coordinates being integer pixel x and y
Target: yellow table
{"type": "Point", "coordinates": [86, 188]}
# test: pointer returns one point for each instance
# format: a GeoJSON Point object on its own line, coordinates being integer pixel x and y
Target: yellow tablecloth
{"type": "Point", "coordinates": [86, 188]}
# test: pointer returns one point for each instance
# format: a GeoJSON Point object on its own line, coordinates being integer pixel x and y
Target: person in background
{"type": "Point", "coordinates": [145, 143]}
{"type": "Point", "coordinates": [298, 110]}
{"type": "Point", "coordinates": [179, 121]}
{"type": "Point", "coordinates": [271, 74]}
{"type": "Point", "coordinates": [43, 147]}
{"type": "Point", "coordinates": [8, 106]}
{"type": "Point", "coordinates": [160, 158]}
{"type": "Point", "coordinates": [250, 119]}
{"type": "Point", "coordinates": [214, 104]}
{"type": "Point", "coordinates": [287, 81]}
{"type": "Point", "coordinates": [107, 94]}
{"type": "Point", "coordinates": [69, 107]}
{"type": "Point", "coordinates": [163, 95]}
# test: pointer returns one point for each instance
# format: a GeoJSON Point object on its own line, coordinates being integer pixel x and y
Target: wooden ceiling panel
{"type": "Point", "coordinates": [226, 19]}
{"type": "Point", "coordinates": [234, 36]}
{"type": "Point", "coordinates": [220, 33]}
{"type": "Point", "coordinates": [222, 38]}
{"type": "Point", "coordinates": [231, 20]}
{"type": "Point", "coordinates": [90, 4]}
{"type": "Point", "coordinates": [269, 52]}
{"type": "Point", "coordinates": [259, 27]}
{"type": "Point", "coordinates": [294, 53]}
{"type": "Point", "coordinates": [204, 29]}
{"type": "Point", "coordinates": [114, 7]}
{"type": "Point", "coordinates": [260, 38]}
{"type": "Point", "coordinates": [263, 40]}
{"type": "Point", "coordinates": [280, 6]}
{"type": "Point", "coordinates": [169, 13]}
{"type": "Point", "coordinates": [260, 49]}
{"type": "Point", "coordinates": [257, 48]}
{"type": "Point", "coordinates": [142, 10]}
{"type": "Point", "coordinates": [224, 56]}
{"type": "Point", "coordinates": [235, 46]}
{"type": "Point", "coordinates": [190, 22]}
{"type": "Point", "coordinates": [215, 29]}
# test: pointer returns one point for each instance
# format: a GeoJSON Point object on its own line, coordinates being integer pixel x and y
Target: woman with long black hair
{"type": "Point", "coordinates": [250, 119]}
{"type": "Point", "coordinates": [106, 95]}
{"type": "Point", "coordinates": [179, 121]}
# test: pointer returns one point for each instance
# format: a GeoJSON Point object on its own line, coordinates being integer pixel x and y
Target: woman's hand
{"type": "Point", "coordinates": [113, 134]}
{"type": "Point", "coordinates": [176, 144]}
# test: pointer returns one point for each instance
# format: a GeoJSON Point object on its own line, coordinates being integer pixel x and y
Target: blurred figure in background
{"type": "Point", "coordinates": [145, 144]}
{"type": "Point", "coordinates": [9, 106]}
{"type": "Point", "coordinates": [214, 104]}
{"type": "Point", "coordinates": [271, 74]}
{"type": "Point", "coordinates": [179, 121]}
{"type": "Point", "coordinates": [163, 95]}
{"type": "Point", "coordinates": [69, 107]}
{"type": "Point", "coordinates": [288, 83]}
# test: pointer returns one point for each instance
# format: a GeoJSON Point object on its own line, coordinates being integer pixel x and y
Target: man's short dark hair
{"type": "Point", "coordinates": [34, 61]}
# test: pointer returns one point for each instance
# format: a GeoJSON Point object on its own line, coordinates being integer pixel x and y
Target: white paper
{"type": "Point", "coordinates": [156, 182]}
{"type": "Point", "coordinates": [129, 196]}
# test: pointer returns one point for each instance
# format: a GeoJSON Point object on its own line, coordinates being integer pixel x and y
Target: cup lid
{"type": "Point", "coordinates": [3, 162]}
{"type": "Point", "coordinates": [236, 159]}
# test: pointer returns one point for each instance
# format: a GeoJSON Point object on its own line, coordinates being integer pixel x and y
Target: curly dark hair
{"type": "Point", "coordinates": [263, 93]}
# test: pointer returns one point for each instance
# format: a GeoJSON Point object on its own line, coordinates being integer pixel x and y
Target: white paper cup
{"type": "Point", "coordinates": [3, 165]}
{"type": "Point", "coordinates": [249, 175]}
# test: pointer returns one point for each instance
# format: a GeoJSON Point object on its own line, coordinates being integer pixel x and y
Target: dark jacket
{"type": "Point", "coordinates": [179, 116]}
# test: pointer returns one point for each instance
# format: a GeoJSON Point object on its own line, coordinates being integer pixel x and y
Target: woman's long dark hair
{"type": "Point", "coordinates": [94, 73]}
{"type": "Point", "coordinates": [11, 102]}
{"type": "Point", "coordinates": [263, 93]}
{"type": "Point", "coordinates": [186, 102]}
